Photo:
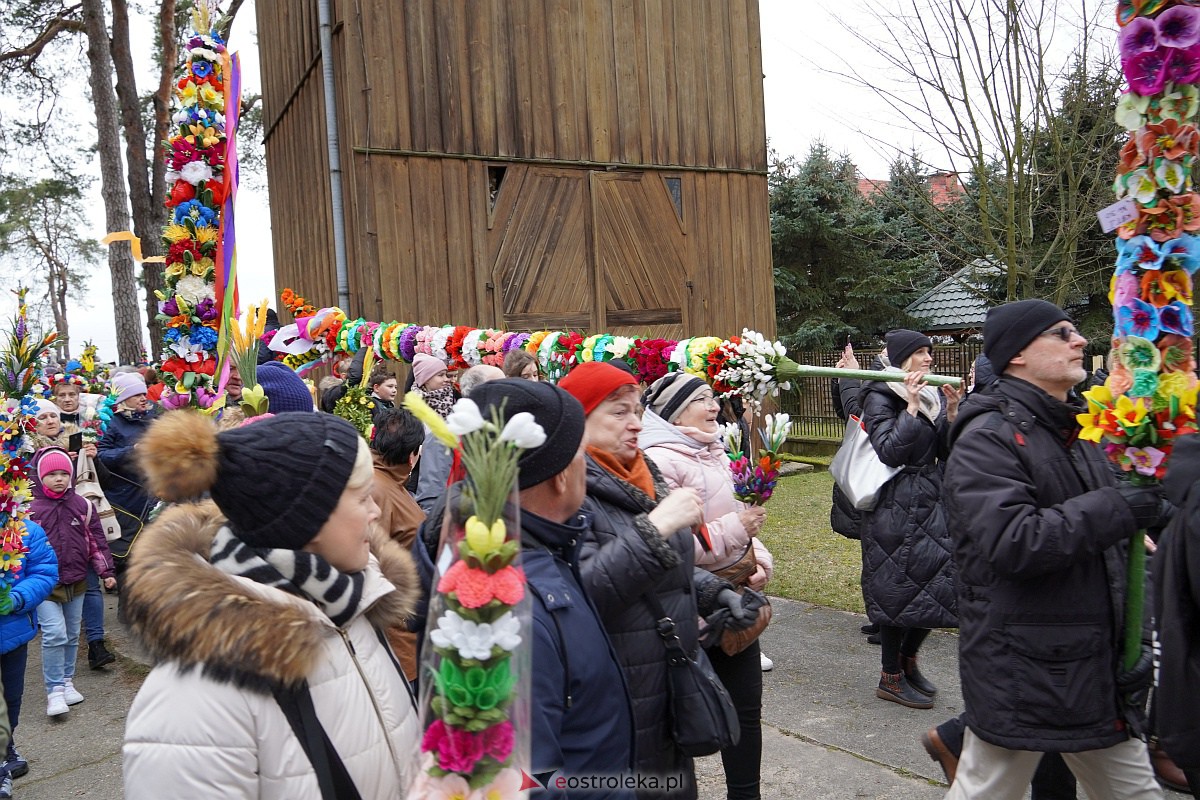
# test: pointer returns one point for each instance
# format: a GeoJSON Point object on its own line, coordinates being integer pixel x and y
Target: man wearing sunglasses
{"type": "Point", "coordinates": [1040, 525]}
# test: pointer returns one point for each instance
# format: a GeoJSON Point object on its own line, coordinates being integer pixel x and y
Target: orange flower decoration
{"type": "Point", "coordinates": [1168, 139]}
{"type": "Point", "coordinates": [475, 588]}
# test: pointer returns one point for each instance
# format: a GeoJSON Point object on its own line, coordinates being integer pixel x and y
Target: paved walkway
{"type": "Point", "coordinates": [825, 734]}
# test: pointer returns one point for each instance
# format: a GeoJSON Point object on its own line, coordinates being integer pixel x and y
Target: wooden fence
{"type": "Point", "coordinates": [810, 403]}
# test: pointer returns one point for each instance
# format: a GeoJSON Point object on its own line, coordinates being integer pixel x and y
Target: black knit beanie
{"type": "Point", "coordinates": [1010, 327]}
{"type": "Point", "coordinates": [560, 415]}
{"type": "Point", "coordinates": [671, 393]}
{"type": "Point", "coordinates": [278, 479]}
{"type": "Point", "coordinates": [902, 343]}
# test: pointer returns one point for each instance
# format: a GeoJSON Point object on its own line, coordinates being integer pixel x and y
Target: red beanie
{"type": "Point", "coordinates": [593, 381]}
{"type": "Point", "coordinates": [53, 459]}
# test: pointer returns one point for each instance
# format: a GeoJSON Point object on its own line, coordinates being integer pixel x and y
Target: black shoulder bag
{"type": "Point", "coordinates": [703, 719]}
{"type": "Point", "coordinates": [332, 777]}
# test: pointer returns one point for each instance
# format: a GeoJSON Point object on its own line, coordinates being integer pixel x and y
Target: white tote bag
{"type": "Point", "coordinates": [857, 469]}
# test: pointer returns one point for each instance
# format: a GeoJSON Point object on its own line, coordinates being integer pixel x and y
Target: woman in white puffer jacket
{"type": "Point", "coordinates": [269, 597]}
{"type": "Point", "coordinates": [680, 435]}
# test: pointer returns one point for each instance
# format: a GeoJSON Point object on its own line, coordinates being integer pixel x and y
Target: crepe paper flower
{"type": "Point", "coordinates": [1175, 317]}
{"type": "Point", "coordinates": [1188, 207]}
{"type": "Point", "coordinates": [1129, 413]}
{"type": "Point", "coordinates": [1170, 175]}
{"type": "Point", "coordinates": [464, 417]}
{"type": "Point", "coordinates": [1140, 251]}
{"type": "Point", "coordinates": [1130, 156]}
{"type": "Point", "coordinates": [475, 687]}
{"type": "Point", "coordinates": [1123, 287]}
{"type": "Point", "coordinates": [1176, 284]}
{"type": "Point", "coordinates": [484, 540]}
{"type": "Point", "coordinates": [1137, 318]}
{"type": "Point", "coordinates": [523, 431]}
{"type": "Point", "coordinates": [1176, 353]}
{"type": "Point", "coordinates": [1179, 102]}
{"type": "Point", "coordinates": [1139, 353]}
{"type": "Point", "coordinates": [1139, 184]}
{"type": "Point", "coordinates": [1131, 111]}
{"type": "Point", "coordinates": [1182, 252]}
{"type": "Point", "coordinates": [1183, 64]}
{"type": "Point", "coordinates": [507, 785]}
{"type": "Point", "coordinates": [1139, 36]}
{"type": "Point", "coordinates": [1095, 425]}
{"type": "Point", "coordinates": [457, 750]}
{"type": "Point", "coordinates": [192, 289]}
{"type": "Point", "coordinates": [476, 640]}
{"type": "Point", "coordinates": [1146, 70]}
{"type": "Point", "coordinates": [1145, 383]}
{"type": "Point", "coordinates": [1178, 26]}
{"type": "Point", "coordinates": [450, 786]}
{"type": "Point", "coordinates": [475, 588]}
{"type": "Point", "coordinates": [433, 421]}
{"type": "Point", "coordinates": [196, 172]}
{"type": "Point", "coordinates": [1168, 139]}
{"type": "Point", "coordinates": [1174, 384]}
{"type": "Point", "coordinates": [1145, 460]}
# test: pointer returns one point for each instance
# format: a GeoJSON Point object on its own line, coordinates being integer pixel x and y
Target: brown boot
{"type": "Point", "coordinates": [895, 687]}
{"type": "Point", "coordinates": [916, 679]}
{"type": "Point", "coordinates": [938, 751]}
{"type": "Point", "coordinates": [1167, 772]}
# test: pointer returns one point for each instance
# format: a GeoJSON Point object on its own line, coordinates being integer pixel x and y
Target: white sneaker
{"type": "Point", "coordinates": [56, 702]}
{"type": "Point", "coordinates": [72, 694]}
{"type": "Point", "coordinates": [764, 662]}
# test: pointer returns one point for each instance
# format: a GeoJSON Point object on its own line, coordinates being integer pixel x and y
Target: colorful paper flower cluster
{"type": "Point", "coordinates": [197, 236]}
{"type": "Point", "coordinates": [754, 482]}
{"type": "Point", "coordinates": [1149, 397]}
{"type": "Point", "coordinates": [749, 366]}
{"type": "Point", "coordinates": [476, 656]}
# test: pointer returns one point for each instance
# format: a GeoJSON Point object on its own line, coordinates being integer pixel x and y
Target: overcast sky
{"type": "Point", "coordinates": [802, 44]}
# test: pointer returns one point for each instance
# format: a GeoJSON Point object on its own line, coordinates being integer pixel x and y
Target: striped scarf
{"type": "Point", "coordinates": [296, 572]}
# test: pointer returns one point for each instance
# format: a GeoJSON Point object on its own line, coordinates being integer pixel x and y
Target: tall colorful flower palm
{"type": "Point", "coordinates": [1149, 398]}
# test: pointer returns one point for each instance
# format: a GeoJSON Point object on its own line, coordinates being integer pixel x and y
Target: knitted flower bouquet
{"type": "Point", "coordinates": [475, 663]}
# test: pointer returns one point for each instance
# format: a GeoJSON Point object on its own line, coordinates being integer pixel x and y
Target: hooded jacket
{"type": "Point", "coordinates": [205, 722]}
{"type": "Point", "coordinates": [69, 521]}
{"type": "Point", "coordinates": [30, 588]}
{"type": "Point", "coordinates": [685, 460]}
{"type": "Point", "coordinates": [622, 559]}
{"type": "Point", "coordinates": [1177, 608]}
{"type": "Point", "coordinates": [908, 569]}
{"type": "Point", "coordinates": [125, 487]}
{"type": "Point", "coordinates": [1039, 528]}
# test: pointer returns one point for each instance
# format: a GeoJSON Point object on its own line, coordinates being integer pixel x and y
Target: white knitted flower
{"type": "Point", "coordinates": [476, 640]}
{"type": "Point", "coordinates": [470, 347]}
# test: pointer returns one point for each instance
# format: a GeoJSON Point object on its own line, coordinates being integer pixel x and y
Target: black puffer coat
{"type": "Point", "coordinates": [622, 559]}
{"type": "Point", "coordinates": [1177, 599]}
{"type": "Point", "coordinates": [908, 571]}
{"type": "Point", "coordinates": [1038, 526]}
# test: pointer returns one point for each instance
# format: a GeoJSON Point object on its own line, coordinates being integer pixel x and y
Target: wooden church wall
{"type": "Point", "coordinates": [589, 109]}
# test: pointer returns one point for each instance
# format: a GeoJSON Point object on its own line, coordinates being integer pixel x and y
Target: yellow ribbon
{"type": "Point", "coordinates": [135, 244]}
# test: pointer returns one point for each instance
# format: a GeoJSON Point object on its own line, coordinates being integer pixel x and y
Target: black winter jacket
{"type": "Point", "coordinates": [1177, 601]}
{"type": "Point", "coordinates": [623, 558]}
{"type": "Point", "coordinates": [908, 571]}
{"type": "Point", "coordinates": [1038, 526]}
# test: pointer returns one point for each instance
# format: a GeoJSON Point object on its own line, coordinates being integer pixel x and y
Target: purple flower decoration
{"type": "Point", "coordinates": [1145, 460]}
{"type": "Point", "coordinates": [1175, 317]}
{"type": "Point", "coordinates": [169, 308]}
{"type": "Point", "coordinates": [206, 310]}
{"type": "Point", "coordinates": [1183, 65]}
{"type": "Point", "coordinates": [173, 400]}
{"type": "Point", "coordinates": [407, 345]}
{"type": "Point", "coordinates": [1126, 287]}
{"type": "Point", "coordinates": [1139, 36]}
{"type": "Point", "coordinates": [1147, 72]}
{"type": "Point", "coordinates": [1137, 318]}
{"type": "Point", "coordinates": [1178, 26]}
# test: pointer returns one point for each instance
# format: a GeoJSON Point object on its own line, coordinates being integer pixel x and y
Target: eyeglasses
{"type": "Point", "coordinates": [1064, 332]}
{"type": "Point", "coordinates": [704, 399]}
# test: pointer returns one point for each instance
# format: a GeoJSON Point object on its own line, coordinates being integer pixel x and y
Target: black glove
{"type": "Point", "coordinates": [740, 617]}
{"type": "Point", "coordinates": [1144, 501]}
{"type": "Point", "coordinates": [1139, 676]}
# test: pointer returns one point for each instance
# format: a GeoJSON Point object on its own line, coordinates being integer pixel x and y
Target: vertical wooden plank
{"type": "Point", "coordinates": [686, 74]}
{"type": "Point", "coordinates": [451, 61]}
{"type": "Point", "coordinates": [578, 61]}
{"type": "Point", "coordinates": [541, 109]}
{"type": "Point", "coordinates": [758, 109]}
{"type": "Point", "coordinates": [429, 221]}
{"type": "Point", "coordinates": [595, 260]}
{"type": "Point", "coordinates": [628, 102]}
{"type": "Point", "coordinates": [601, 80]}
{"type": "Point", "coordinates": [393, 64]}
{"type": "Point", "coordinates": [521, 55]}
{"type": "Point", "coordinates": [656, 82]}
{"type": "Point", "coordinates": [505, 78]}
{"type": "Point", "coordinates": [713, 113]}
{"type": "Point", "coordinates": [480, 266]}
{"type": "Point", "coordinates": [560, 85]}
{"type": "Point", "coordinates": [482, 110]}
{"type": "Point", "coordinates": [462, 305]}
{"type": "Point", "coordinates": [741, 93]}
{"type": "Point", "coordinates": [642, 72]}
{"type": "Point", "coordinates": [415, 60]}
{"type": "Point", "coordinates": [407, 289]}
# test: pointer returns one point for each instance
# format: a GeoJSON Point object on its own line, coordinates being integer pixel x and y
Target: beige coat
{"type": "Point", "coordinates": [205, 725]}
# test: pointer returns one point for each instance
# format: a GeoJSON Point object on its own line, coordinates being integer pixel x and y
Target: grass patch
{"type": "Point", "coordinates": [812, 563]}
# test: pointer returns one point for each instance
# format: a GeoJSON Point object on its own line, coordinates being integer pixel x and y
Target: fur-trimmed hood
{"type": "Point", "coordinates": [187, 611]}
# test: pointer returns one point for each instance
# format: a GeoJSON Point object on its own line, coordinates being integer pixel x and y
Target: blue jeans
{"type": "Point", "coordinates": [93, 608]}
{"type": "Point", "coordinates": [12, 673]}
{"type": "Point", "coordinates": [60, 639]}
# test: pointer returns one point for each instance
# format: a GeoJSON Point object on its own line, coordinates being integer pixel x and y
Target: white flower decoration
{"type": "Point", "coordinates": [194, 172]}
{"type": "Point", "coordinates": [522, 431]}
{"type": "Point", "coordinates": [193, 289]}
{"type": "Point", "coordinates": [476, 640]}
{"type": "Point", "coordinates": [464, 418]}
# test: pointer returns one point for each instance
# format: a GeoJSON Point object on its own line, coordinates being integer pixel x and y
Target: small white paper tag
{"type": "Point", "coordinates": [1118, 214]}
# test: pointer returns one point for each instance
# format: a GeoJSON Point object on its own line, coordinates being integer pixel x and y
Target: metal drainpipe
{"type": "Point", "coordinates": [335, 161]}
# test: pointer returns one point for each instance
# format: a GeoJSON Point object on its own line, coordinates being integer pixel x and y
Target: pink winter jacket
{"type": "Point", "coordinates": [685, 458]}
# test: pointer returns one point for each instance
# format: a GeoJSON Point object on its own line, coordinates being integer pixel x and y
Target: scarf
{"type": "Point", "coordinates": [636, 474]}
{"type": "Point", "coordinates": [296, 572]}
{"type": "Point", "coordinates": [930, 399]}
{"type": "Point", "coordinates": [440, 400]}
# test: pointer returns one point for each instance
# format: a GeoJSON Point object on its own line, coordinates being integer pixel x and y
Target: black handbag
{"type": "Point", "coordinates": [703, 719]}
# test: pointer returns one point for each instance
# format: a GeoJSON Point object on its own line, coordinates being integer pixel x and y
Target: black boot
{"type": "Point", "coordinates": [915, 679]}
{"type": "Point", "coordinates": [98, 654]}
{"type": "Point", "coordinates": [893, 686]}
